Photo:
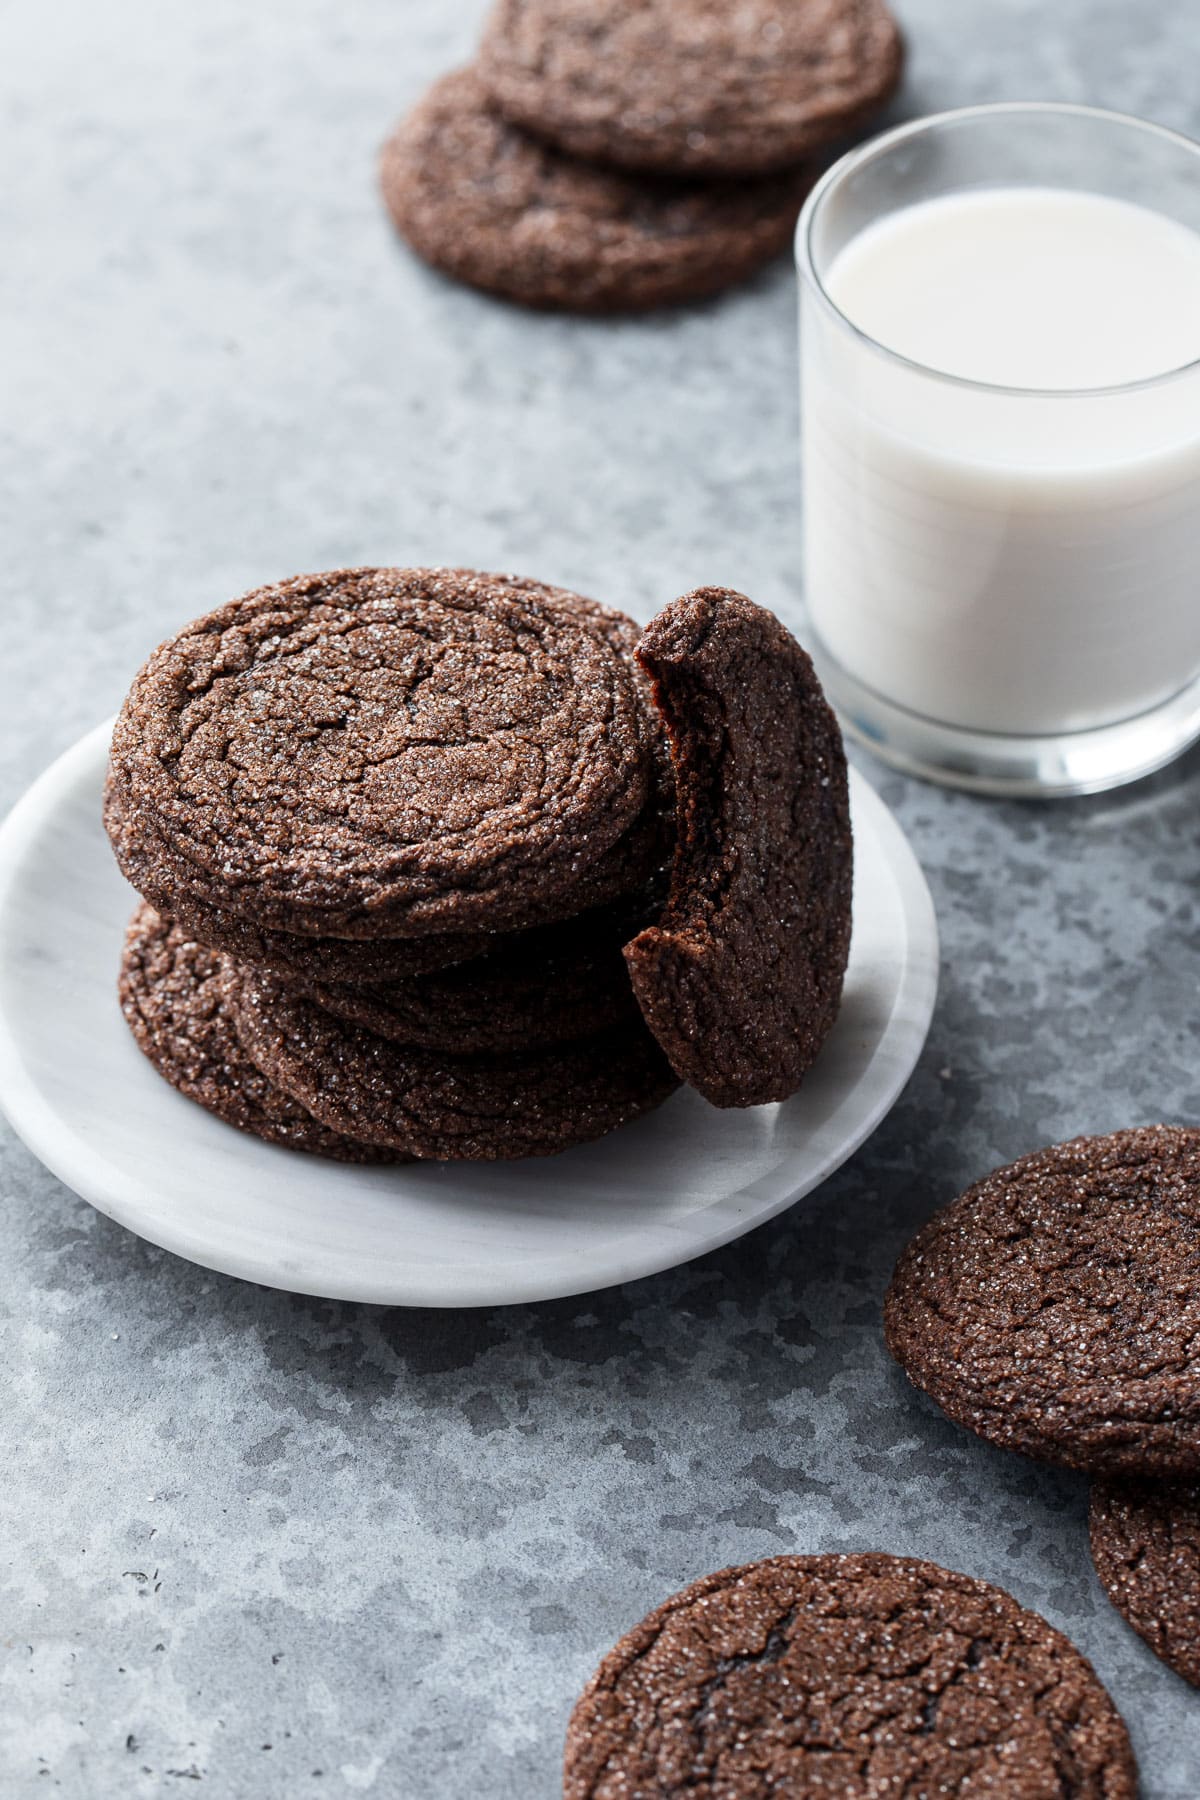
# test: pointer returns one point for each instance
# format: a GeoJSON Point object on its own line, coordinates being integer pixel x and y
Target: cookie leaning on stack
{"type": "Point", "coordinates": [399, 833]}
{"type": "Point", "coordinates": [603, 156]}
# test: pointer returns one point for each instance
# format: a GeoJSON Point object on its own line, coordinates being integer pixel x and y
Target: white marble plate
{"type": "Point", "coordinates": [655, 1193]}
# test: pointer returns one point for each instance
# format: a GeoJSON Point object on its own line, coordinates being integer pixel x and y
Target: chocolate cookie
{"type": "Point", "coordinates": [354, 963]}
{"type": "Point", "coordinates": [483, 202]}
{"type": "Point", "coordinates": [1055, 1307]}
{"type": "Point", "coordinates": [741, 979]}
{"type": "Point", "coordinates": [436, 1105]}
{"type": "Point", "coordinates": [536, 988]}
{"type": "Point", "coordinates": [490, 1005]}
{"type": "Point", "coordinates": [687, 85]}
{"type": "Point", "coordinates": [159, 875]}
{"type": "Point", "coordinates": [385, 753]}
{"type": "Point", "coordinates": [862, 1677]}
{"type": "Point", "coordinates": [1146, 1547]}
{"type": "Point", "coordinates": [171, 995]}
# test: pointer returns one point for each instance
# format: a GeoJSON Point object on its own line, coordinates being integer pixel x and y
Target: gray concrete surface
{"type": "Point", "coordinates": [279, 1547]}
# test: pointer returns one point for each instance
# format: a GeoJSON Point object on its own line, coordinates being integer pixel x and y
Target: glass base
{"type": "Point", "coordinates": [1074, 762]}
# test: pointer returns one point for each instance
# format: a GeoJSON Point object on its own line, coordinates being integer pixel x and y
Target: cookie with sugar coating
{"type": "Point", "coordinates": [730, 87]}
{"type": "Point", "coordinates": [740, 980]}
{"type": "Point", "coordinates": [483, 201]}
{"type": "Point", "coordinates": [856, 1677]}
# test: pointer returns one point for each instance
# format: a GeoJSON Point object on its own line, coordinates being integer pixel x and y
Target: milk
{"type": "Point", "coordinates": [1008, 561]}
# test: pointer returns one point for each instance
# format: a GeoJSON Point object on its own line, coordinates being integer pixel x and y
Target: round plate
{"type": "Point", "coordinates": [668, 1187]}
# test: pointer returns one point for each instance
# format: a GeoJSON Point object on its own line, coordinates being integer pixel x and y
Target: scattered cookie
{"type": "Point", "coordinates": [436, 1105]}
{"type": "Point", "coordinates": [1055, 1307]}
{"type": "Point", "coordinates": [171, 995]}
{"type": "Point", "coordinates": [741, 978]}
{"type": "Point", "coordinates": [483, 202]}
{"type": "Point", "coordinates": [689, 86]}
{"type": "Point", "coordinates": [1146, 1547]}
{"type": "Point", "coordinates": [384, 752]}
{"type": "Point", "coordinates": [858, 1677]}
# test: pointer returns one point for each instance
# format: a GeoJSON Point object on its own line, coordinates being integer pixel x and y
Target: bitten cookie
{"type": "Point", "coordinates": [431, 1104]}
{"type": "Point", "coordinates": [483, 202]}
{"type": "Point", "coordinates": [171, 995]}
{"type": "Point", "coordinates": [741, 978]}
{"type": "Point", "coordinates": [1145, 1538]}
{"type": "Point", "coordinates": [1055, 1307]}
{"type": "Point", "coordinates": [384, 753]}
{"type": "Point", "coordinates": [689, 86]}
{"type": "Point", "coordinates": [859, 1677]}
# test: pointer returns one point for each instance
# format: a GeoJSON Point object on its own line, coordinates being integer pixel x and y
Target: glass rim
{"type": "Point", "coordinates": [883, 142]}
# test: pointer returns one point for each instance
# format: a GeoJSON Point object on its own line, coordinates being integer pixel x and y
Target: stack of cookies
{"type": "Point", "coordinates": [1054, 1308]}
{"type": "Point", "coordinates": [446, 865]}
{"type": "Point", "coordinates": [611, 155]}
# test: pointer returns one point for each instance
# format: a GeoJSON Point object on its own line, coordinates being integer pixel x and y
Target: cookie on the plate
{"type": "Point", "coordinates": [858, 1677]}
{"type": "Point", "coordinates": [689, 86]}
{"type": "Point", "coordinates": [482, 201]}
{"type": "Point", "coordinates": [160, 875]}
{"type": "Point", "coordinates": [1145, 1537]}
{"type": "Point", "coordinates": [741, 978]}
{"type": "Point", "coordinates": [571, 947]}
{"type": "Point", "coordinates": [534, 988]}
{"type": "Point", "coordinates": [393, 752]}
{"type": "Point", "coordinates": [432, 1104]}
{"type": "Point", "coordinates": [1054, 1308]}
{"type": "Point", "coordinates": [171, 994]}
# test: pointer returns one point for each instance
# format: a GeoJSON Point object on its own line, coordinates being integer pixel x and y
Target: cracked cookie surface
{"type": "Point", "coordinates": [860, 1677]}
{"type": "Point", "coordinates": [173, 1000]}
{"type": "Point", "coordinates": [741, 978]}
{"type": "Point", "coordinates": [1054, 1308]}
{"type": "Point", "coordinates": [482, 201]}
{"type": "Point", "coordinates": [381, 752]}
{"type": "Point", "coordinates": [694, 86]}
{"type": "Point", "coordinates": [162, 877]}
{"type": "Point", "coordinates": [346, 965]}
{"type": "Point", "coordinates": [1145, 1537]}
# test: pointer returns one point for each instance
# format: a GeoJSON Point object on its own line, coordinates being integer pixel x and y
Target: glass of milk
{"type": "Point", "coordinates": [1000, 385]}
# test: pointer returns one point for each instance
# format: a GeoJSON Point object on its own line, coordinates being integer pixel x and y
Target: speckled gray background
{"type": "Point", "coordinates": [279, 1547]}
